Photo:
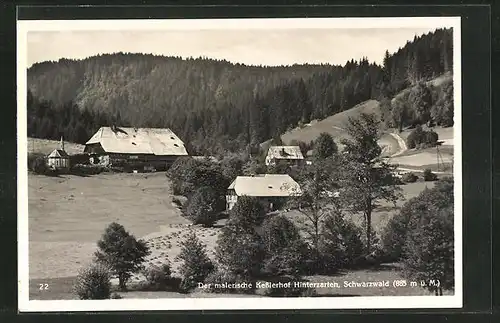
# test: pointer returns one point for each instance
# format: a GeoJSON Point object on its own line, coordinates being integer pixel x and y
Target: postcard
{"type": "Point", "coordinates": [226, 164]}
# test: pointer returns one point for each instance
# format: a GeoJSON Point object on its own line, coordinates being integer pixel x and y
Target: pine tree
{"type": "Point", "coordinates": [121, 252]}
{"type": "Point", "coordinates": [325, 146]}
{"type": "Point", "coordinates": [195, 264]}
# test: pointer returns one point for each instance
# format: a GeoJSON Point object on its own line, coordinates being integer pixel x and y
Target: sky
{"type": "Point", "coordinates": [248, 46]}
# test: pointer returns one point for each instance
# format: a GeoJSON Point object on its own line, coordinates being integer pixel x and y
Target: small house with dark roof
{"type": "Point", "coordinates": [59, 158]}
{"type": "Point", "coordinates": [290, 155]}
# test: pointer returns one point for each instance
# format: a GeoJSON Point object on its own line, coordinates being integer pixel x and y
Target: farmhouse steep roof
{"type": "Point", "coordinates": [58, 153]}
{"type": "Point", "coordinates": [268, 185]}
{"type": "Point", "coordinates": [156, 141]}
{"type": "Point", "coordinates": [284, 152]}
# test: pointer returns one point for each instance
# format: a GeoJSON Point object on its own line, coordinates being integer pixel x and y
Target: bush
{"type": "Point", "coordinates": [394, 236]}
{"type": "Point", "coordinates": [420, 138]}
{"type": "Point", "coordinates": [429, 176]}
{"type": "Point", "coordinates": [93, 282]}
{"type": "Point", "coordinates": [342, 243]}
{"type": "Point", "coordinates": [247, 213]}
{"type": "Point", "coordinates": [180, 187]}
{"type": "Point", "coordinates": [158, 278]}
{"type": "Point", "coordinates": [409, 178]}
{"type": "Point", "coordinates": [201, 207]}
{"type": "Point", "coordinates": [37, 163]}
{"type": "Point", "coordinates": [291, 260]}
{"type": "Point", "coordinates": [415, 137]}
{"type": "Point", "coordinates": [431, 138]}
{"type": "Point", "coordinates": [196, 265]}
{"type": "Point", "coordinates": [240, 252]}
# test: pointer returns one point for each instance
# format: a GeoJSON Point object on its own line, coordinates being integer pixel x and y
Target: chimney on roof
{"type": "Point", "coordinates": [283, 152]}
{"type": "Point", "coordinates": [113, 128]}
{"type": "Point", "coordinates": [62, 143]}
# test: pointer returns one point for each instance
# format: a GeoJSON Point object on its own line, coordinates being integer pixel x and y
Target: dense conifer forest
{"type": "Point", "coordinates": [216, 106]}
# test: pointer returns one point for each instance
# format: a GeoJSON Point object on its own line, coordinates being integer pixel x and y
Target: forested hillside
{"type": "Point", "coordinates": [215, 106]}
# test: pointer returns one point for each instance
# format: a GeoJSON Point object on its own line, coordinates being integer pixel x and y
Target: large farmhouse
{"type": "Point", "coordinates": [271, 189]}
{"type": "Point", "coordinates": [290, 155]}
{"type": "Point", "coordinates": [138, 148]}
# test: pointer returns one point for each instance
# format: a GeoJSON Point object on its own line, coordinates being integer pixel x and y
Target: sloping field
{"type": "Point", "coordinates": [45, 146]}
{"type": "Point", "coordinates": [68, 214]}
{"type": "Point", "coordinates": [333, 124]}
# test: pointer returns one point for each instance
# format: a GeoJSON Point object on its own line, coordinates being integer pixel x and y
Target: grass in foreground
{"type": "Point", "coordinates": [62, 288]}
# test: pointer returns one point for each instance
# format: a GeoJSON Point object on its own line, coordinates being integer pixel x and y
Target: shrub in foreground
{"type": "Point", "coordinates": [93, 282]}
{"type": "Point", "coordinates": [342, 243]}
{"type": "Point", "coordinates": [240, 252]}
{"type": "Point", "coordinates": [286, 252]}
{"type": "Point", "coordinates": [158, 277]}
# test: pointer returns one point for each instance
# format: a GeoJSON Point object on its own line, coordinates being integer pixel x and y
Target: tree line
{"type": "Point", "coordinates": [213, 105]}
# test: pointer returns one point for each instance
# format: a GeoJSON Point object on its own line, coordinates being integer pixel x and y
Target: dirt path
{"type": "Point", "coordinates": [401, 143]}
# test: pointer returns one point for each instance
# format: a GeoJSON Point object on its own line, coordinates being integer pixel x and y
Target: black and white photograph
{"type": "Point", "coordinates": [199, 164]}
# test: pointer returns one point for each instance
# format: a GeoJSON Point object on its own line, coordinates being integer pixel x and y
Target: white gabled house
{"type": "Point", "coordinates": [269, 188]}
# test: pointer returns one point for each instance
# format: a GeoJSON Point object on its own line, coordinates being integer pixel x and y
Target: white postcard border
{"type": "Point", "coordinates": [374, 302]}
